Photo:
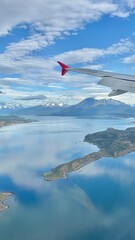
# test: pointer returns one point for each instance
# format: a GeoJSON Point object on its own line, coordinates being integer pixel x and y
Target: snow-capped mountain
{"type": "Point", "coordinates": [45, 109]}
{"type": "Point", "coordinates": [89, 107]}
{"type": "Point", "coordinates": [8, 108]}
{"type": "Point", "coordinates": [53, 104]}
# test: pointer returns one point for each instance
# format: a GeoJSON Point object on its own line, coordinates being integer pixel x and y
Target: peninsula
{"type": "Point", "coordinates": [3, 197]}
{"type": "Point", "coordinates": [13, 119]}
{"type": "Point", "coordinates": [111, 143]}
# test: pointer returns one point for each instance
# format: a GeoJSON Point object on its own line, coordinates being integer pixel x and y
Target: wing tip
{"type": "Point", "coordinates": [64, 68]}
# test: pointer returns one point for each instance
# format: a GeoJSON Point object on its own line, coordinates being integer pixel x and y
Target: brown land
{"type": "Point", "coordinates": [111, 143]}
{"type": "Point", "coordinates": [3, 197]}
{"type": "Point", "coordinates": [11, 120]}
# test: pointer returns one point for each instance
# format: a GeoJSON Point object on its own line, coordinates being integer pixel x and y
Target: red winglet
{"type": "Point", "coordinates": [64, 67]}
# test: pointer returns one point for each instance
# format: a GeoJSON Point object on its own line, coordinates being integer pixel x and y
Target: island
{"type": "Point", "coordinates": [3, 197]}
{"type": "Point", "coordinates": [111, 143]}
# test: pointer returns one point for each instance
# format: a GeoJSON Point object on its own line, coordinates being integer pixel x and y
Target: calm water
{"type": "Point", "coordinates": [97, 202]}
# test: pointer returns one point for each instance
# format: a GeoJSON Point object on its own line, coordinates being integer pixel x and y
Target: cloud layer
{"type": "Point", "coordinates": [54, 17]}
{"type": "Point", "coordinates": [33, 97]}
{"type": "Point", "coordinates": [44, 23]}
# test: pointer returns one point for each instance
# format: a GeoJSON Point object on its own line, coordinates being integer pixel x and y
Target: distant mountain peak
{"type": "Point", "coordinates": [10, 106]}
{"type": "Point", "coordinates": [111, 101]}
{"type": "Point", "coordinates": [53, 104]}
{"type": "Point", "coordinates": [87, 100]}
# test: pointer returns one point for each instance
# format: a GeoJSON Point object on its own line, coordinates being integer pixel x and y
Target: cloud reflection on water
{"type": "Point", "coordinates": [64, 207]}
{"type": "Point", "coordinates": [23, 153]}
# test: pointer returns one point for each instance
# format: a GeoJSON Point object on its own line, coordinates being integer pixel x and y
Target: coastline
{"type": "Point", "coordinates": [13, 120]}
{"type": "Point", "coordinates": [4, 196]}
{"type": "Point", "coordinates": [62, 170]}
{"type": "Point", "coordinates": [111, 143]}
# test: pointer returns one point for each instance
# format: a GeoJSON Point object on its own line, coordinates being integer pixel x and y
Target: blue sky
{"type": "Point", "coordinates": [87, 33]}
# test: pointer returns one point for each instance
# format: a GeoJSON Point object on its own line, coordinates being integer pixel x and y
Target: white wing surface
{"type": "Point", "coordinates": [119, 83]}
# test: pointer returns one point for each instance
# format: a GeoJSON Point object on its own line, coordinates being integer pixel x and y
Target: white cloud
{"type": "Point", "coordinates": [124, 8]}
{"type": "Point", "coordinates": [41, 72]}
{"type": "Point", "coordinates": [52, 16]}
{"type": "Point", "coordinates": [91, 54]}
{"type": "Point", "coordinates": [129, 3]}
{"type": "Point", "coordinates": [33, 97]}
{"type": "Point", "coordinates": [123, 46]}
{"type": "Point", "coordinates": [46, 21]}
{"type": "Point", "coordinates": [129, 59]}
{"type": "Point", "coordinates": [30, 66]}
{"type": "Point", "coordinates": [45, 29]}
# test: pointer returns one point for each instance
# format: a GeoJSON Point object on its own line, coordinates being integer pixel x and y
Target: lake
{"type": "Point", "coordinates": [96, 202]}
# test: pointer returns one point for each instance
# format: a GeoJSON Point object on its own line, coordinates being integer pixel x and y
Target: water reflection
{"type": "Point", "coordinates": [94, 203]}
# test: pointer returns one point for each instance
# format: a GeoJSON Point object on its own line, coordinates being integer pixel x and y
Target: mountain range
{"type": "Point", "coordinates": [89, 107]}
{"type": "Point", "coordinates": [47, 109]}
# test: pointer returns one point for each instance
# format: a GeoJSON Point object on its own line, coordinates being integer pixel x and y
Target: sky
{"type": "Point", "coordinates": [34, 34]}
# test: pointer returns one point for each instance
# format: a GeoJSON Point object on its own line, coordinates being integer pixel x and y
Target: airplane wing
{"type": "Point", "coordinates": [119, 83]}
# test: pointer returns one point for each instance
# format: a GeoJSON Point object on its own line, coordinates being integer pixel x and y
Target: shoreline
{"type": "Point", "coordinates": [62, 170]}
{"type": "Point", "coordinates": [112, 143]}
{"type": "Point", "coordinates": [3, 197]}
{"type": "Point", "coordinates": [6, 121]}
